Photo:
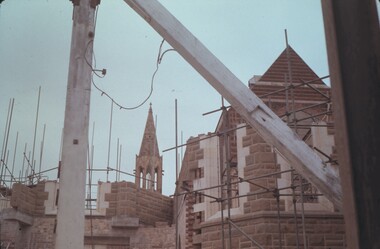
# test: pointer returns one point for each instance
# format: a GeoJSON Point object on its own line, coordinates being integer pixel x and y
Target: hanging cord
{"type": "Point", "coordinates": [121, 107]}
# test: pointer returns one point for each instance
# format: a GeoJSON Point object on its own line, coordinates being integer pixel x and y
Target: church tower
{"type": "Point", "coordinates": [148, 172]}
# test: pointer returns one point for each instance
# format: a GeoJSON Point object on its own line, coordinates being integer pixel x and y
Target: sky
{"type": "Point", "coordinates": [35, 35]}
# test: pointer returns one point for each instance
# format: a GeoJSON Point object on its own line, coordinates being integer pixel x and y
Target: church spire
{"type": "Point", "coordinates": [149, 162]}
{"type": "Point", "coordinates": [149, 145]}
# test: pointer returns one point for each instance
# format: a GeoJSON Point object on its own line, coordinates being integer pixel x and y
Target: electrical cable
{"type": "Point", "coordinates": [158, 62]}
{"type": "Point", "coordinates": [94, 71]}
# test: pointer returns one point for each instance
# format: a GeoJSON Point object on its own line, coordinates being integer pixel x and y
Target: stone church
{"type": "Point", "coordinates": [234, 190]}
{"type": "Point", "coordinates": [237, 191]}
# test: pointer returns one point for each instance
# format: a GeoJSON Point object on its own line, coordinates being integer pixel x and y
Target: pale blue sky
{"type": "Point", "coordinates": [246, 35]}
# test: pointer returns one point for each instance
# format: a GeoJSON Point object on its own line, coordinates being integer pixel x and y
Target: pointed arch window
{"type": "Point", "coordinates": [141, 178]}
{"type": "Point", "coordinates": [148, 181]}
{"type": "Point", "coordinates": [155, 178]}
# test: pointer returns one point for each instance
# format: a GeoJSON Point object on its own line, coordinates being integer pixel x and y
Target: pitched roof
{"type": "Point", "coordinates": [149, 145]}
{"type": "Point", "coordinates": [300, 70]}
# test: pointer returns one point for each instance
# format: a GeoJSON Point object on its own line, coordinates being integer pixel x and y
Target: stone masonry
{"type": "Point", "coordinates": [29, 200]}
{"type": "Point", "coordinates": [189, 172]}
{"type": "Point", "coordinates": [136, 218]}
{"type": "Point", "coordinates": [260, 220]}
{"type": "Point", "coordinates": [274, 221]}
{"type": "Point", "coordinates": [323, 231]}
{"type": "Point", "coordinates": [150, 207]}
{"type": "Point", "coordinates": [106, 234]}
{"type": "Point", "coordinates": [260, 161]}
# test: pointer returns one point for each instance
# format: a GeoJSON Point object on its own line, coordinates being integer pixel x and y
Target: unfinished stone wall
{"type": "Point", "coordinates": [260, 161]}
{"type": "Point", "coordinates": [41, 234]}
{"type": "Point", "coordinates": [323, 231]}
{"type": "Point", "coordinates": [108, 234]}
{"type": "Point", "coordinates": [100, 232]}
{"type": "Point", "coordinates": [150, 207]}
{"type": "Point", "coordinates": [105, 234]}
{"type": "Point", "coordinates": [9, 232]}
{"type": "Point", "coordinates": [29, 200]}
{"type": "Point", "coordinates": [4, 203]}
{"type": "Point", "coordinates": [190, 171]}
{"type": "Point", "coordinates": [160, 236]}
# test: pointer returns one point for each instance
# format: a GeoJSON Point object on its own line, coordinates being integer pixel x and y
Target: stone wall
{"type": "Point", "coordinates": [106, 234]}
{"type": "Point", "coordinates": [323, 231]}
{"type": "Point", "coordinates": [189, 173]}
{"type": "Point", "coordinates": [9, 232]}
{"type": "Point", "coordinates": [5, 202]}
{"type": "Point", "coordinates": [260, 161]}
{"type": "Point", "coordinates": [137, 218]}
{"type": "Point", "coordinates": [41, 234]}
{"type": "Point", "coordinates": [29, 200]}
{"type": "Point", "coordinates": [149, 206]}
{"type": "Point", "coordinates": [160, 236]}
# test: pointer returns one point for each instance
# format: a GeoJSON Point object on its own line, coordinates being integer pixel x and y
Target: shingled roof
{"type": "Point", "coordinates": [300, 70]}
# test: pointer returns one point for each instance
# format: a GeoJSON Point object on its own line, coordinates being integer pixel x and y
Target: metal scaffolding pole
{"type": "Point", "coordinates": [177, 245]}
{"type": "Point", "coordinates": [249, 106]}
{"type": "Point", "coordinates": [6, 137]}
{"type": "Point", "coordinates": [226, 164]}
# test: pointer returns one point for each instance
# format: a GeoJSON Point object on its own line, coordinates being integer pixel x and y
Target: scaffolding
{"type": "Point", "coordinates": [301, 191]}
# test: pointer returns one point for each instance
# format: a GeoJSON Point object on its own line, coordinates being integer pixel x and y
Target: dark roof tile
{"type": "Point", "coordinates": [300, 70]}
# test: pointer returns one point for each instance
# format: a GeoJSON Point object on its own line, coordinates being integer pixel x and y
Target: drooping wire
{"type": "Point", "coordinates": [94, 71]}
{"type": "Point", "coordinates": [121, 107]}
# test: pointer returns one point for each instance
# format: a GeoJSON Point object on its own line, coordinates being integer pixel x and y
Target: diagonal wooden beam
{"type": "Point", "coordinates": [273, 130]}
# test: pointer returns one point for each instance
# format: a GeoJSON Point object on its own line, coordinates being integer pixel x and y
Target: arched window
{"type": "Point", "coordinates": [155, 179]}
{"type": "Point", "coordinates": [148, 181]}
{"type": "Point", "coordinates": [141, 179]}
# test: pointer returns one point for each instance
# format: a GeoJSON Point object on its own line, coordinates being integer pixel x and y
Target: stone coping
{"type": "Point", "coordinates": [13, 214]}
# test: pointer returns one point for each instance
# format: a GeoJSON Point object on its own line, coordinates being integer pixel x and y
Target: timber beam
{"type": "Point", "coordinates": [273, 130]}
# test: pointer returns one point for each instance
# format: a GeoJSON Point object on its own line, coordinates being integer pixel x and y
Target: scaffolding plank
{"type": "Point", "coordinates": [273, 130]}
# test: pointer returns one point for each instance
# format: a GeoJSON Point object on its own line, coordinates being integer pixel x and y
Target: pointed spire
{"type": "Point", "coordinates": [149, 145]}
{"type": "Point", "coordinates": [300, 70]}
{"type": "Point", "coordinates": [149, 162]}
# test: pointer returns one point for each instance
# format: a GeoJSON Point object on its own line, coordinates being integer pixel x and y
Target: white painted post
{"type": "Point", "coordinates": [273, 130]}
{"type": "Point", "coordinates": [71, 202]}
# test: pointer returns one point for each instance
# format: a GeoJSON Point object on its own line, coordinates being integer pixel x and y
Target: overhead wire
{"type": "Point", "coordinates": [103, 71]}
{"type": "Point", "coordinates": [159, 60]}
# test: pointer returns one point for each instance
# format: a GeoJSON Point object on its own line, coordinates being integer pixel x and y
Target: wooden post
{"type": "Point", "coordinates": [71, 203]}
{"type": "Point", "coordinates": [353, 46]}
{"type": "Point", "coordinates": [243, 100]}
